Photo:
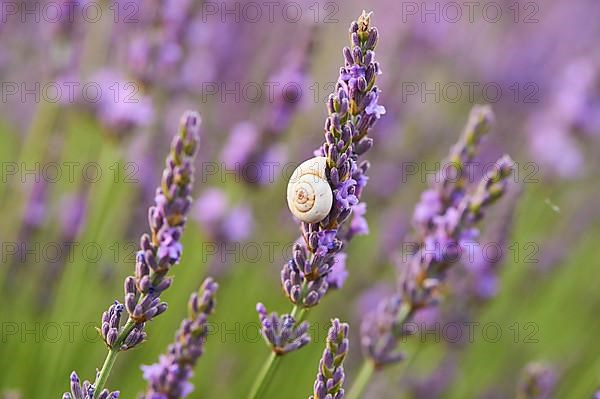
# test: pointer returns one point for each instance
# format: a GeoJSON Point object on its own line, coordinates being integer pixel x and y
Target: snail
{"type": "Point", "coordinates": [309, 194]}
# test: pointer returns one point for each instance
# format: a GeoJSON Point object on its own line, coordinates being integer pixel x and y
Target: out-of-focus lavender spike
{"type": "Point", "coordinates": [439, 246]}
{"type": "Point", "coordinates": [281, 332]}
{"type": "Point", "coordinates": [378, 338]}
{"type": "Point", "coordinates": [330, 376]}
{"type": "Point", "coordinates": [253, 149]}
{"type": "Point", "coordinates": [353, 110]}
{"type": "Point", "coordinates": [170, 377]}
{"type": "Point", "coordinates": [557, 132]}
{"type": "Point", "coordinates": [479, 280]}
{"type": "Point", "coordinates": [156, 53]}
{"type": "Point", "coordinates": [438, 382]}
{"type": "Point", "coordinates": [128, 110]}
{"type": "Point", "coordinates": [450, 182]}
{"type": "Point", "coordinates": [538, 381]}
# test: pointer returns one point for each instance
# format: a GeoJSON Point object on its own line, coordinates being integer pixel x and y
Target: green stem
{"type": "Point", "coordinates": [262, 382]}
{"type": "Point", "coordinates": [294, 311]}
{"type": "Point", "coordinates": [362, 379]}
{"type": "Point", "coordinates": [109, 362]}
{"type": "Point", "coordinates": [111, 357]}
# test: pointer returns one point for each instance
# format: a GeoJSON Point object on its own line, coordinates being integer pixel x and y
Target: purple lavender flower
{"type": "Point", "coordinates": [344, 194]}
{"type": "Point", "coordinates": [330, 377]}
{"type": "Point", "coordinates": [378, 331]}
{"type": "Point", "coordinates": [281, 332]}
{"type": "Point", "coordinates": [305, 277]}
{"type": "Point", "coordinates": [537, 382]}
{"type": "Point", "coordinates": [429, 206]}
{"type": "Point", "coordinates": [169, 378]}
{"type": "Point", "coordinates": [87, 391]}
{"type": "Point", "coordinates": [479, 281]}
{"type": "Point", "coordinates": [442, 229]}
{"type": "Point", "coordinates": [160, 250]}
{"type": "Point", "coordinates": [450, 182]}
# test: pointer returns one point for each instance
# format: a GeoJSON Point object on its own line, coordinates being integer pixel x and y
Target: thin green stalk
{"type": "Point", "coordinates": [109, 362]}
{"type": "Point", "coordinates": [111, 357]}
{"type": "Point", "coordinates": [362, 379]}
{"type": "Point", "coordinates": [262, 382]}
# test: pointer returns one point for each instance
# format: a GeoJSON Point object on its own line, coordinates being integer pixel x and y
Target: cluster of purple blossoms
{"type": "Point", "coordinates": [169, 378]}
{"type": "Point", "coordinates": [442, 226]}
{"type": "Point", "coordinates": [282, 333]}
{"type": "Point", "coordinates": [353, 110]}
{"type": "Point", "coordinates": [160, 250]}
{"type": "Point", "coordinates": [330, 377]}
{"type": "Point", "coordinates": [86, 390]}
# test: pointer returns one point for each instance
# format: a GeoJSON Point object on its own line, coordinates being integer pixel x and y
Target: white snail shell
{"type": "Point", "coordinates": [309, 194]}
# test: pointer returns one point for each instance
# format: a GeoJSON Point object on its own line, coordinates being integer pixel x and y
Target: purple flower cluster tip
{"type": "Point", "coordinates": [169, 378]}
{"type": "Point", "coordinates": [330, 377]}
{"type": "Point", "coordinates": [281, 332]}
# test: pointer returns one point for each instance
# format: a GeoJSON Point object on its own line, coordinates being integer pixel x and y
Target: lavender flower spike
{"type": "Point", "coordinates": [353, 110]}
{"type": "Point", "coordinates": [281, 332]}
{"type": "Point", "coordinates": [330, 377]}
{"type": "Point", "coordinates": [160, 250]}
{"type": "Point", "coordinates": [439, 245]}
{"type": "Point", "coordinates": [169, 378]}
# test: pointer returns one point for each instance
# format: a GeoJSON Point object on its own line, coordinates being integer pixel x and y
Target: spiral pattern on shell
{"type": "Point", "coordinates": [309, 194]}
